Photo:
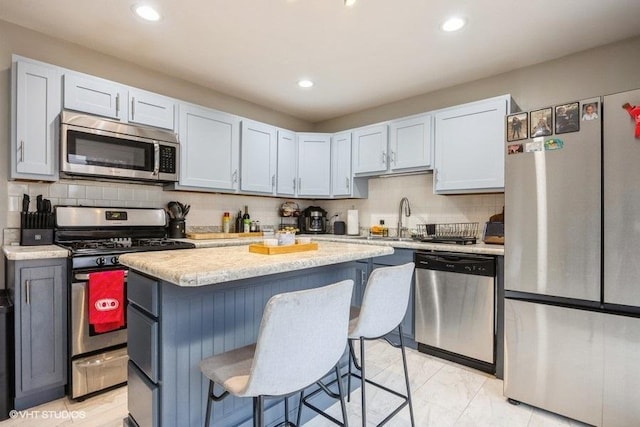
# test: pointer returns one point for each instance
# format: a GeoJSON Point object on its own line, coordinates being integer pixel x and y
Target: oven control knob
{"type": "Point", "coordinates": [100, 260]}
{"type": "Point", "coordinates": [114, 260]}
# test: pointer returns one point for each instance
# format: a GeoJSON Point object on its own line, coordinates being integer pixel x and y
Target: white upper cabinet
{"type": "Point", "coordinates": [469, 147]}
{"type": "Point", "coordinates": [410, 143]}
{"type": "Point", "coordinates": [36, 104]}
{"type": "Point", "coordinates": [210, 145]}
{"type": "Point", "coordinates": [370, 150]}
{"type": "Point", "coordinates": [341, 179]}
{"type": "Point", "coordinates": [147, 108]}
{"type": "Point", "coordinates": [314, 164]}
{"type": "Point", "coordinates": [258, 154]}
{"type": "Point", "coordinates": [287, 163]}
{"type": "Point", "coordinates": [94, 96]}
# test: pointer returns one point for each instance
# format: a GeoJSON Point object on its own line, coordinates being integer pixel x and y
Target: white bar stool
{"type": "Point", "coordinates": [302, 336]}
{"type": "Point", "coordinates": [384, 306]}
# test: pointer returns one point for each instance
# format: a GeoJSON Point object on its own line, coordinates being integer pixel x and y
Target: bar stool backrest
{"type": "Point", "coordinates": [302, 336]}
{"type": "Point", "coordinates": [385, 301]}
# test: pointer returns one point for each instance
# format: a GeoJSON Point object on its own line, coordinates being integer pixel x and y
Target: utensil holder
{"type": "Point", "coordinates": [176, 228]}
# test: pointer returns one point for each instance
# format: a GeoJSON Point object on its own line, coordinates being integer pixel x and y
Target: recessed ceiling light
{"type": "Point", "coordinates": [453, 24]}
{"type": "Point", "coordinates": [349, 2]}
{"type": "Point", "coordinates": [146, 12]}
{"type": "Point", "coordinates": [305, 83]}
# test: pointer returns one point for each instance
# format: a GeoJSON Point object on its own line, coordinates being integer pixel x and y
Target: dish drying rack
{"type": "Point", "coordinates": [462, 233]}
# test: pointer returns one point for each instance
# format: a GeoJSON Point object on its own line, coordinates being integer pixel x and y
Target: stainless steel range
{"type": "Point", "coordinates": [96, 236]}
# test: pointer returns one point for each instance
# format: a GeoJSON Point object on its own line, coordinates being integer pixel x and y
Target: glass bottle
{"type": "Point", "coordinates": [246, 220]}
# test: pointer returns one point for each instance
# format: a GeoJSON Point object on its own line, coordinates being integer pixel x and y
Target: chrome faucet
{"type": "Point", "coordinates": [407, 211]}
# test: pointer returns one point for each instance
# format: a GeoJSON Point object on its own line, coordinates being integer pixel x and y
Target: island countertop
{"type": "Point", "coordinates": [206, 266]}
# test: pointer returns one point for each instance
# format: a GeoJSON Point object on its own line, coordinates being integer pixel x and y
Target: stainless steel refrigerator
{"type": "Point", "coordinates": [572, 268]}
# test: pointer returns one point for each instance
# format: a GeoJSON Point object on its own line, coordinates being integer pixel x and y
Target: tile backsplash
{"type": "Point", "coordinates": [207, 208]}
{"type": "Point", "coordinates": [426, 208]}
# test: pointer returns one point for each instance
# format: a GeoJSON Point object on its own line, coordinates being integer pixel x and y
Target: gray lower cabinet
{"type": "Point", "coordinates": [39, 292]}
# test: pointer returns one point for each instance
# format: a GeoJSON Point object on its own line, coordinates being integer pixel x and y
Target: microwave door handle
{"type": "Point", "coordinates": [156, 157]}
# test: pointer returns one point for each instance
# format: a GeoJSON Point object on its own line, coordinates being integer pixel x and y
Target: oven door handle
{"type": "Point", "coordinates": [101, 361]}
{"type": "Point", "coordinates": [85, 276]}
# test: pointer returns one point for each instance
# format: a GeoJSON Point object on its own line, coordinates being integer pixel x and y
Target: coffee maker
{"type": "Point", "coordinates": [313, 220]}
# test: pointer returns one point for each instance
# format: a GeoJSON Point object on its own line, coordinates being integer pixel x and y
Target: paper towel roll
{"type": "Point", "coordinates": [353, 225]}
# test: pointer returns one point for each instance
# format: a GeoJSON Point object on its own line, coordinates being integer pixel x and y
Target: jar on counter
{"type": "Point", "coordinates": [226, 222]}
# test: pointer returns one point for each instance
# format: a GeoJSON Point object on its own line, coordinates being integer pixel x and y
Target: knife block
{"type": "Point", "coordinates": [36, 228]}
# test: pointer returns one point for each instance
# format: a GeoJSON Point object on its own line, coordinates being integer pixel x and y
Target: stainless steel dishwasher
{"type": "Point", "coordinates": [455, 307]}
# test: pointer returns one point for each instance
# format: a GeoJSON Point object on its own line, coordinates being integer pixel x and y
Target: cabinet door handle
{"type": "Point", "coordinates": [363, 277]}
{"type": "Point", "coordinates": [117, 105]}
{"type": "Point", "coordinates": [21, 151]}
{"type": "Point", "coordinates": [346, 180]}
{"type": "Point", "coordinates": [27, 292]}
{"type": "Point", "coordinates": [234, 176]}
{"type": "Point", "coordinates": [393, 157]}
{"type": "Point", "coordinates": [133, 108]}
{"type": "Point", "coordinates": [273, 180]}
{"type": "Point", "coordinates": [384, 157]}
{"type": "Point", "coordinates": [294, 185]}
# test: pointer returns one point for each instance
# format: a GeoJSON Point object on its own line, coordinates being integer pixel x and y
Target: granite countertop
{"type": "Point", "coordinates": [204, 266]}
{"type": "Point", "coordinates": [479, 248]}
{"type": "Point", "coordinates": [21, 253]}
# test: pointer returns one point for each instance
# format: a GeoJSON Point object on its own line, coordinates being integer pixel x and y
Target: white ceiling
{"type": "Point", "coordinates": [376, 52]}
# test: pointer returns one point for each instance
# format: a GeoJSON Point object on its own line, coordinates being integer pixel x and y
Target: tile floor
{"type": "Point", "coordinates": [444, 394]}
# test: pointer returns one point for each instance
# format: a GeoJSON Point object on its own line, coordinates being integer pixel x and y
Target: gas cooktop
{"type": "Point", "coordinates": [121, 245]}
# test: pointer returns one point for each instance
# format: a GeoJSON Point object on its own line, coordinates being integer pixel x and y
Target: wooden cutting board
{"type": "Point", "coordinates": [259, 248]}
{"type": "Point", "coordinates": [207, 236]}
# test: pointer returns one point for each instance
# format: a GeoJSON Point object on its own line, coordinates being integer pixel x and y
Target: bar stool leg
{"type": "Point", "coordinates": [352, 358]}
{"type": "Point", "coordinates": [258, 416]}
{"type": "Point", "coordinates": [343, 405]}
{"type": "Point", "coordinates": [300, 408]}
{"type": "Point", "coordinates": [406, 376]}
{"type": "Point", "coordinates": [207, 420]}
{"type": "Point", "coordinates": [286, 411]}
{"type": "Point", "coordinates": [362, 383]}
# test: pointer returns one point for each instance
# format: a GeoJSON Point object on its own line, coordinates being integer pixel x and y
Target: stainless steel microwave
{"type": "Point", "coordinates": [102, 148]}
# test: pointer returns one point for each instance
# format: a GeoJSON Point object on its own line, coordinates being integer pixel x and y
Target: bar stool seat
{"type": "Point", "coordinates": [302, 336]}
{"type": "Point", "coordinates": [384, 305]}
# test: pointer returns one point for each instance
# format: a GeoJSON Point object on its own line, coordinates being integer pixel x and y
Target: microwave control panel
{"type": "Point", "coordinates": [167, 159]}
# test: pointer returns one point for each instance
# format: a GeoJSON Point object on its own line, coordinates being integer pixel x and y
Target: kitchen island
{"type": "Point", "coordinates": [190, 304]}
